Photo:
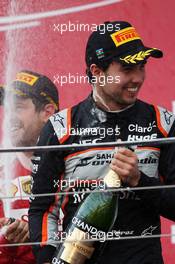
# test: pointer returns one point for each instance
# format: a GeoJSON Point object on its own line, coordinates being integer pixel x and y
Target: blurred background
{"type": "Point", "coordinates": [49, 37]}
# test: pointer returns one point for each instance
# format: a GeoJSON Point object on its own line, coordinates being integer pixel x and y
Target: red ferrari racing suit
{"type": "Point", "coordinates": [20, 185]}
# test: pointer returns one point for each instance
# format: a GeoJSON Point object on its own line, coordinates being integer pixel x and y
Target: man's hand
{"type": "Point", "coordinates": [17, 232]}
{"type": "Point", "coordinates": [125, 164]}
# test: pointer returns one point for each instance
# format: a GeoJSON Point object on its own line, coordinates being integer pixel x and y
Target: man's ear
{"type": "Point", "coordinates": [48, 110]}
{"type": "Point", "coordinates": [95, 70]}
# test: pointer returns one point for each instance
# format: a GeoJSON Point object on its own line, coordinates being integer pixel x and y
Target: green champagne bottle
{"type": "Point", "coordinates": [94, 218]}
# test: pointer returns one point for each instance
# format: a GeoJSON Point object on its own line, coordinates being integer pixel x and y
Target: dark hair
{"type": "Point", "coordinates": [39, 104]}
{"type": "Point", "coordinates": [103, 66]}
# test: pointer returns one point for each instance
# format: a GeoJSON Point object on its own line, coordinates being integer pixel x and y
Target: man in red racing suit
{"type": "Point", "coordinates": [33, 99]}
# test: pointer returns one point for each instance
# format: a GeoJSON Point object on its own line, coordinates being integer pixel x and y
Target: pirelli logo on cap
{"type": "Point", "coordinates": [125, 35]}
{"type": "Point", "coordinates": [26, 78]}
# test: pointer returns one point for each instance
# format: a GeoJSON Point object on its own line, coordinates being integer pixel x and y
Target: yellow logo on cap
{"type": "Point", "coordinates": [26, 78]}
{"type": "Point", "coordinates": [137, 57]}
{"type": "Point", "coordinates": [125, 35]}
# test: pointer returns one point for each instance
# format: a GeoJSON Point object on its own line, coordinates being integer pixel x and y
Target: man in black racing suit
{"type": "Point", "coordinates": [112, 111]}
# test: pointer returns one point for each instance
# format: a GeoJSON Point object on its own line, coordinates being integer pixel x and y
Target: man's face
{"type": "Point", "coordinates": [120, 92]}
{"type": "Point", "coordinates": [25, 122]}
